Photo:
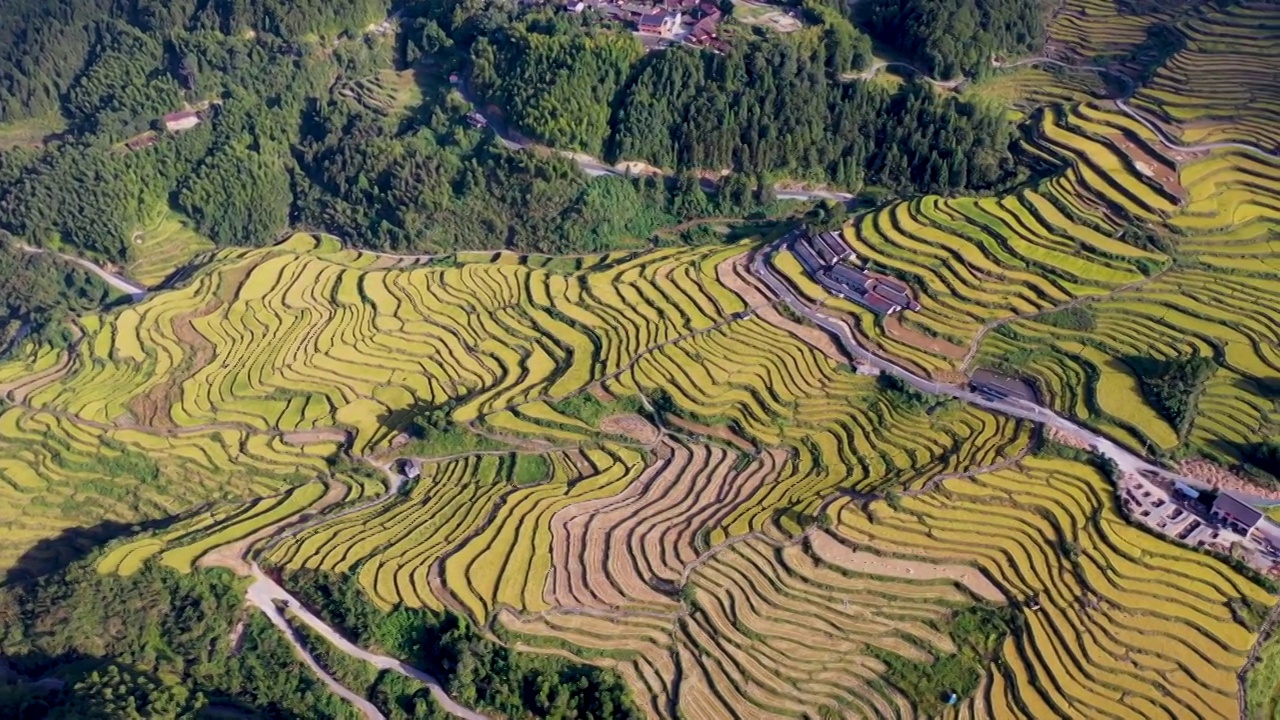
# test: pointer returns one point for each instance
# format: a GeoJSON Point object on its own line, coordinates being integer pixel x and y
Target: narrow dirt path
{"type": "Point", "coordinates": [1121, 103]}
{"type": "Point", "coordinates": [232, 556]}
{"type": "Point", "coordinates": [976, 343]}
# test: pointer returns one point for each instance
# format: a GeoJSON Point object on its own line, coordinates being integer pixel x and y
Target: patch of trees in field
{"type": "Point", "coordinates": [1173, 387]}
{"type": "Point", "coordinates": [950, 38]}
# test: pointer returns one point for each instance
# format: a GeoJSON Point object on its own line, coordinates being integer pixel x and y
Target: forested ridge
{"type": "Point", "coordinates": [160, 644]}
{"type": "Point", "coordinates": [952, 38]}
{"type": "Point", "coordinates": [782, 106]}
{"type": "Point", "coordinates": [280, 148]}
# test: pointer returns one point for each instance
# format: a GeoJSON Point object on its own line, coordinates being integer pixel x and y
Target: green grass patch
{"type": "Point", "coordinates": [978, 632]}
{"type": "Point", "coordinates": [530, 469]}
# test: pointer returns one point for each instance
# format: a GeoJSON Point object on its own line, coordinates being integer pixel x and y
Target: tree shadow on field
{"type": "Point", "coordinates": [53, 555]}
{"type": "Point", "coordinates": [1266, 388]}
{"type": "Point", "coordinates": [1257, 461]}
{"type": "Point", "coordinates": [801, 520]}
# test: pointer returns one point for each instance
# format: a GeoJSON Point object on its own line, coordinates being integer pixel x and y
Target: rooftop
{"type": "Point", "coordinates": [1231, 505]}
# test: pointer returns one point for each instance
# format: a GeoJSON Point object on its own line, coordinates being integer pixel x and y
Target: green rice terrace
{"type": "Point", "coordinates": [385, 363]}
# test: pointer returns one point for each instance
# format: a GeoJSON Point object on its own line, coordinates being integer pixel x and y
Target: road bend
{"type": "Point", "coordinates": [1126, 460]}
{"type": "Point", "coordinates": [133, 290]}
{"type": "Point", "coordinates": [266, 592]}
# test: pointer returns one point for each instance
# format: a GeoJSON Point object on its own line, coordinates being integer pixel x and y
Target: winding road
{"type": "Point", "coordinates": [264, 593]}
{"type": "Point", "coordinates": [133, 290]}
{"type": "Point", "coordinates": [1126, 460]}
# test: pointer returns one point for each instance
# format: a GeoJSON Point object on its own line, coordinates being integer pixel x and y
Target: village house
{"type": "Point", "coordinates": [182, 120]}
{"type": "Point", "coordinates": [823, 258]}
{"type": "Point", "coordinates": [1236, 514]}
{"type": "Point", "coordinates": [409, 468]}
{"type": "Point", "coordinates": [659, 23]}
{"type": "Point", "coordinates": [834, 246]}
{"type": "Point", "coordinates": [143, 141]}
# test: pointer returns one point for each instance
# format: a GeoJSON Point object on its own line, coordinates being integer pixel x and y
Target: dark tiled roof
{"type": "Point", "coordinates": [808, 258]}
{"type": "Point", "coordinates": [821, 249]}
{"type": "Point", "coordinates": [991, 380]}
{"type": "Point", "coordinates": [877, 303]}
{"type": "Point", "coordinates": [892, 294]}
{"type": "Point", "coordinates": [1236, 509]}
{"type": "Point", "coordinates": [896, 284]}
{"type": "Point", "coordinates": [833, 243]}
{"type": "Point", "coordinates": [851, 276]}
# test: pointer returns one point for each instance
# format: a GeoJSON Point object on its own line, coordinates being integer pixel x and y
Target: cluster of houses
{"type": "Point", "coordinates": [691, 21]}
{"type": "Point", "coordinates": [825, 257]}
{"type": "Point", "coordinates": [1221, 521]}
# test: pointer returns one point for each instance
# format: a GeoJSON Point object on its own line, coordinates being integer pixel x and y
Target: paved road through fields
{"type": "Point", "coordinates": [134, 291]}
{"type": "Point", "coordinates": [1126, 460]}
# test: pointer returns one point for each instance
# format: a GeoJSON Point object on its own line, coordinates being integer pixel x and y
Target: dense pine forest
{"type": "Point", "coordinates": [281, 147]}
{"type": "Point", "coordinates": [952, 38]}
{"type": "Point", "coordinates": [159, 644]}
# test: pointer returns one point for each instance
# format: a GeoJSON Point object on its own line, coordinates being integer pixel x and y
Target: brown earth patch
{"type": "Point", "coordinates": [734, 274]}
{"type": "Point", "coordinates": [581, 463]}
{"type": "Point", "coordinates": [1056, 435]}
{"type": "Point", "coordinates": [1222, 479]}
{"type": "Point", "coordinates": [308, 437]}
{"type": "Point", "coordinates": [231, 555]}
{"type": "Point", "coordinates": [599, 392]}
{"type": "Point", "coordinates": [831, 550]}
{"type": "Point", "coordinates": [633, 550]}
{"type": "Point", "coordinates": [722, 433]}
{"type": "Point", "coordinates": [632, 426]}
{"type": "Point", "coordinates": [152, 408]}
{"type": "Point", "coordinates": [1151, 167]}
{"type": "Point", "coordinates": [19, 389]}
{"type": "Point", "coordinates": [895, 329]}
{"type": "Point", "coordinates": [954, 377]}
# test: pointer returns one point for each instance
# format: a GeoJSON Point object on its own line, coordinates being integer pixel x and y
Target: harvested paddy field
{"type": "Point", "coordinates": [645, 461]}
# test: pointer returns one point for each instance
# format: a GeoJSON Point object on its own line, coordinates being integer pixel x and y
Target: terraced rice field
{"type": "Point", "coordinates": [778, 530]}
{"type": "Point", "coordinates": [1091, 28]}
{"type": "Point", "coordinates": [162, 248]}
{"type": "Point", "coordinates": [268, 360]}
{"type": "Point", "coordinates": [1115, 636]}
{"type": "Point", "coordinates": [387, 92]}
{"type": "Point", "coordinates": [1224, 84]}
{"type": "Point", "coordinates": [773, 632]}
{"type": "Point", "coordinates": [991, 272]}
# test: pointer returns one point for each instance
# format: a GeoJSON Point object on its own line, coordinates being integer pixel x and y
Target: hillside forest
{"type": "Point", "coordinates": [281, 148]}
